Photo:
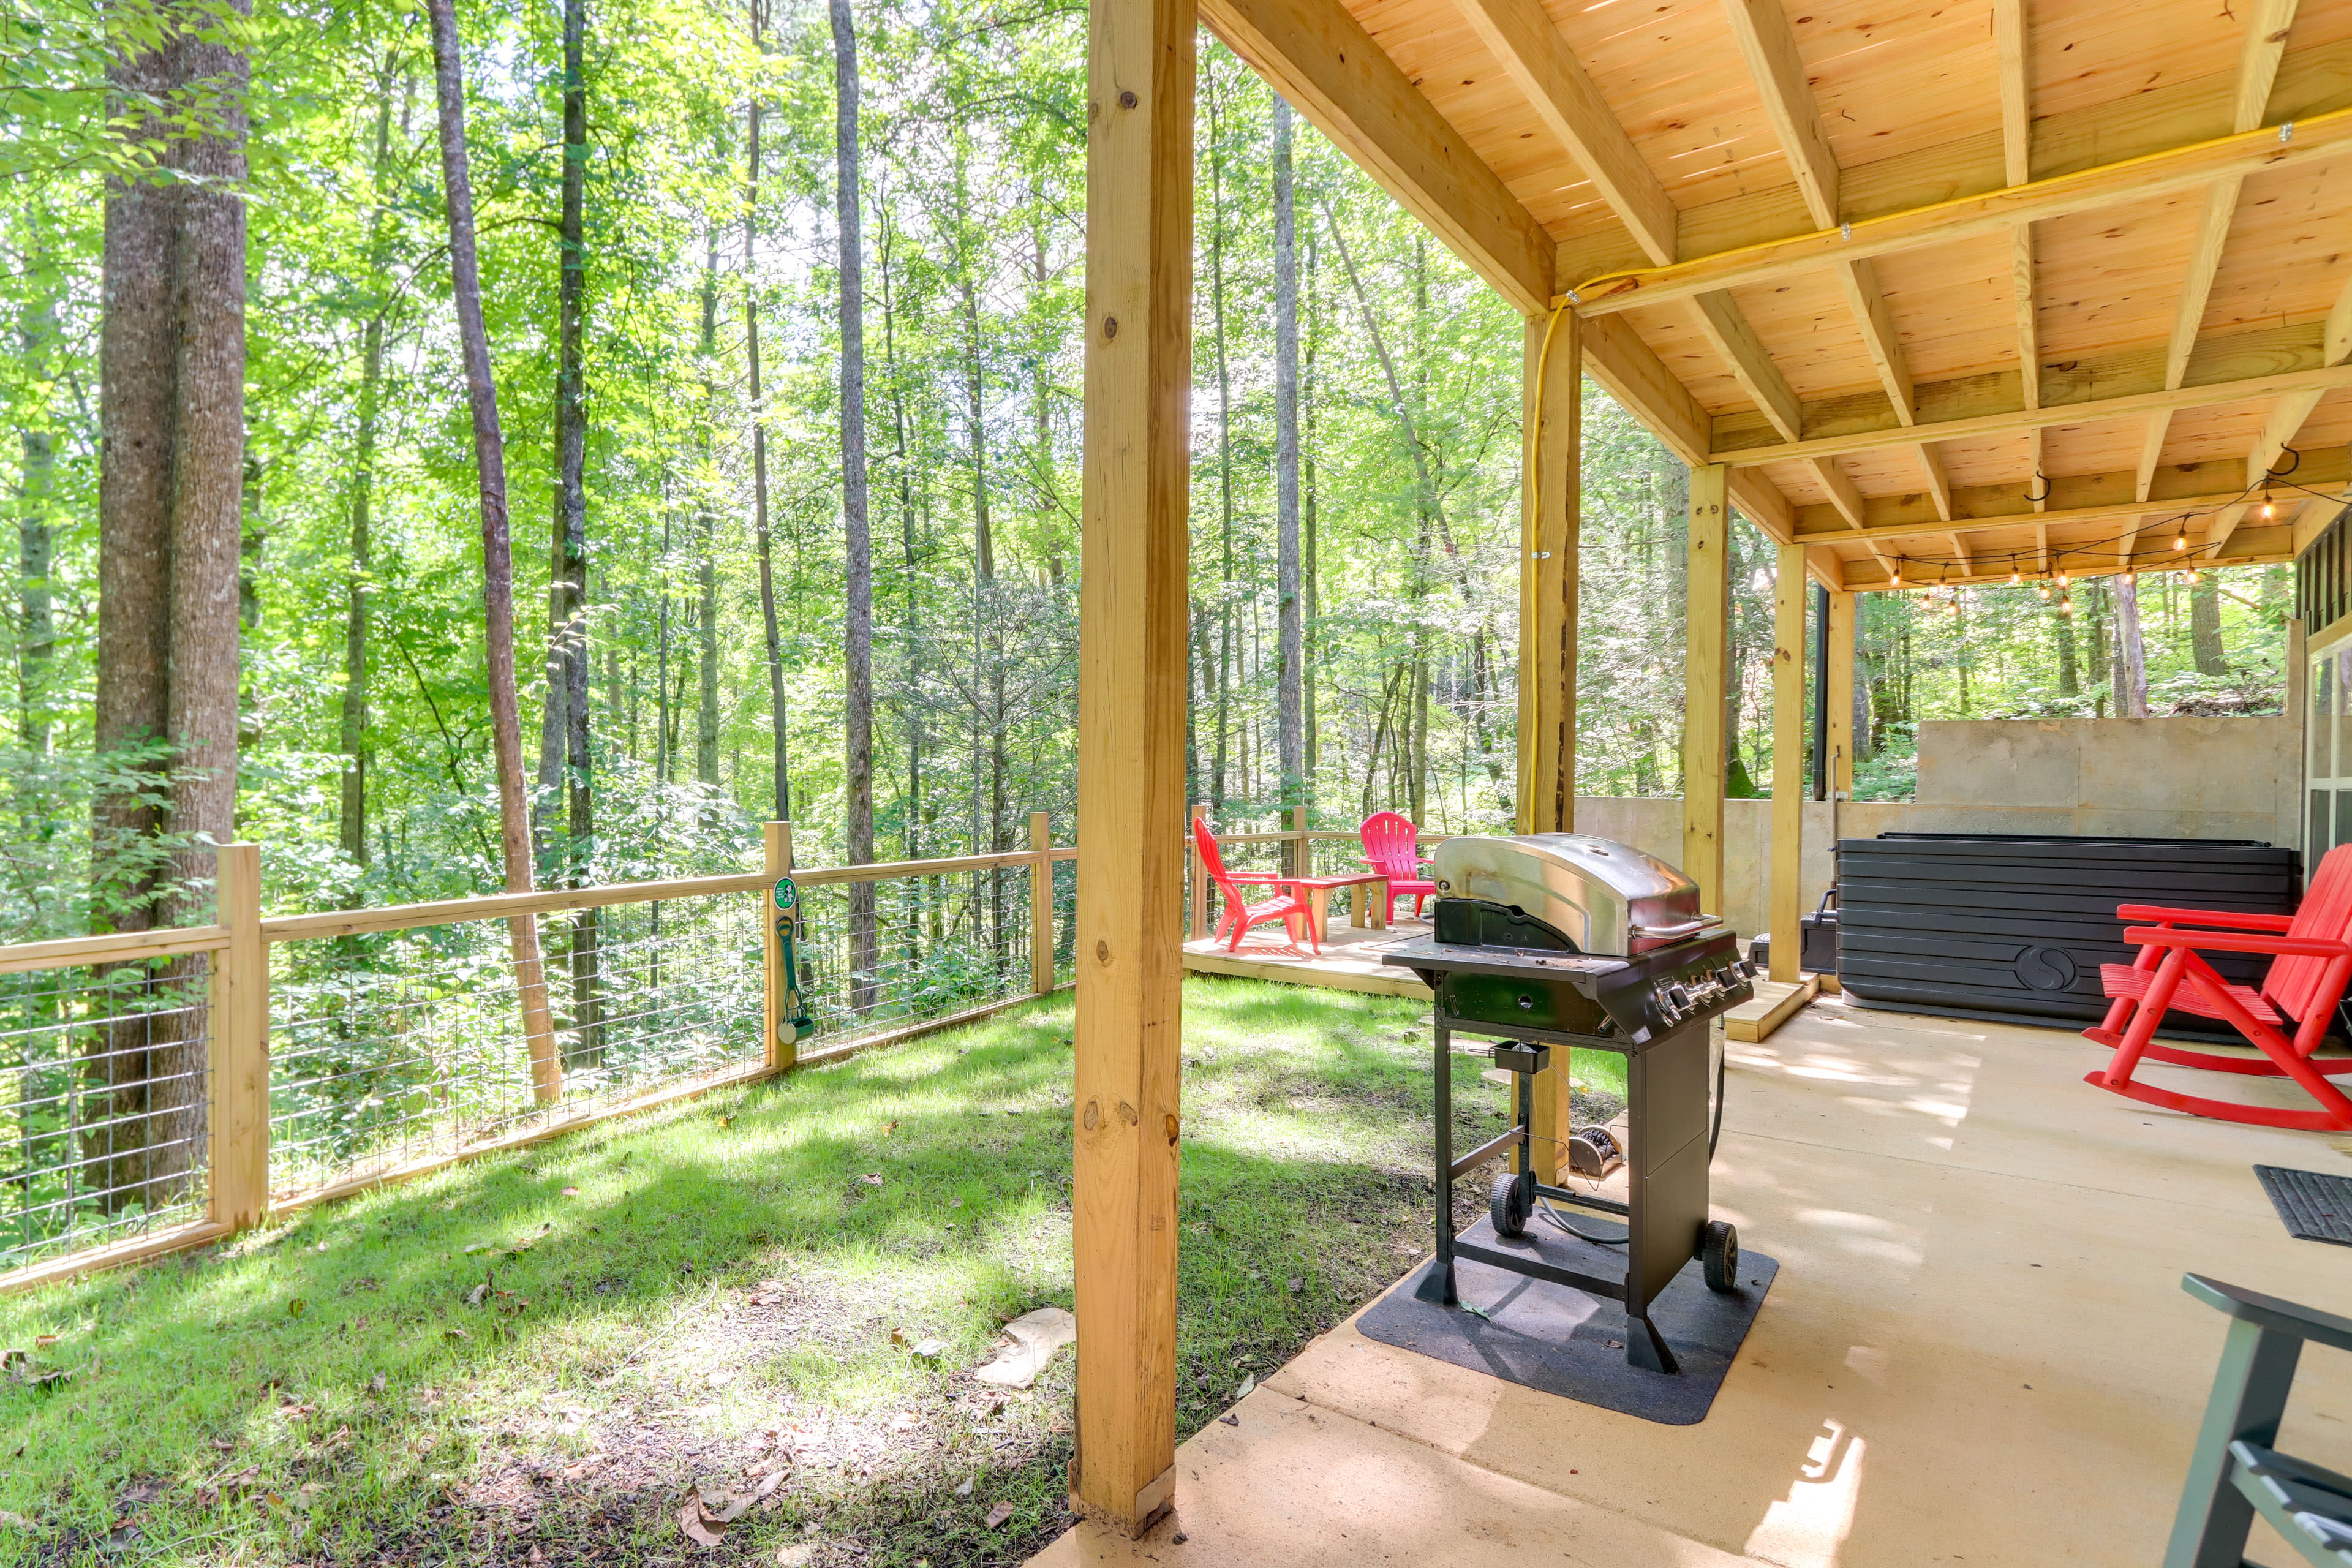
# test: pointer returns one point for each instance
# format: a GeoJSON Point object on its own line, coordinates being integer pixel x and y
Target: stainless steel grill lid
{"type": "Point", "coordinates": [1605, 897]}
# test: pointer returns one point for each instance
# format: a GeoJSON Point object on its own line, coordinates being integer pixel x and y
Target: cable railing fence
{"type": "Point", "coordinates": [162, 1089]}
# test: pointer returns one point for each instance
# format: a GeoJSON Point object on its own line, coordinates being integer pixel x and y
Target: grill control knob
{"type": "Point", "coordinates": [1679, 997]}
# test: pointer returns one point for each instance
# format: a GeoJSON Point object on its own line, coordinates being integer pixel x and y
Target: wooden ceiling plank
{"type": "Point", "coordinates": [2089, 411]}
{"type": "Point", "coordinates": [2027, 305]}
{"type": "Point", "coordinates": [1976, 527]}
{"type": "Point", "coordinates": [2314, 139]}
{"type": "Point", "coordinates": [1317, 55]}
{"type": "Point", "coordinates": [1859, 281]}
{"type": "Point", "coordinates": [2335, 341]}
{"type": "Point", "coordinates": [1961, 551]}
{"type": "Point", "coordinates": [1538, 59]}
{"type": "Point", "coordinates": [2267, 25]}
{"type": "Point", "coordinates": [2204, 261]}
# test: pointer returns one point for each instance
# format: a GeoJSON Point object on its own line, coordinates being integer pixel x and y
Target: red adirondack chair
{"type": "Point", "coordinates": [1392, 849]}
{"type": "Point", "coordinates": [1239, 914]}
{"type": "Point", "coordinates": [2311, 963]}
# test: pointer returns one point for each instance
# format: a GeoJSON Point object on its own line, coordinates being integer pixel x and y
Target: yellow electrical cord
{"type": "Point", "coordinates": [1535, 446]}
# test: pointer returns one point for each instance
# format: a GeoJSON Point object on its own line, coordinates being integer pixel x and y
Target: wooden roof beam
{"type": "Point", "coordinates": [2088, 411]}
{"type": "Point", "coordinates": [1529, 48]}
{"type": "Point", "coordinates": [1317, 55]}
{"type": "Point", "coordinates": [1972, 527]}
{"type": "Point", "coordinates": [2312, 139]}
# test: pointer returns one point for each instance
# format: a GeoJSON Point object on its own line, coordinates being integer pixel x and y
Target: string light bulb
{"type": "Point", "coordinates": [1897, 570]}
{"type": "Point", "coordinates": [2130, 578]}
{"type": "Point", "coordinates": [2015, 577]}
{"type": "Point", "coordinates": [2268, 510]}
{"type": "Point", "coordinates": [2181, 535]}
{"type": "Point", "coordinates": [2065, 604]}
{"type": "Point", "coordinates": [2043, 588]}
{"type": "Point", "coordinates": [2064, 581]}
{"type": "Point", "coordinates": [2192, 576]}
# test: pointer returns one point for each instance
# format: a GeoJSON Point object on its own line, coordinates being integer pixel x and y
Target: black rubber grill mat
{"type": "Point", "coordinates": [2313, 1205]}
{"type": "Point", "coordinates": [1560, 1340]}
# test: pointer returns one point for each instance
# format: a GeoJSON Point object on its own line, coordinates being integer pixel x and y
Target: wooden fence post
{"type": "Point", "coordinates": [1302, 854]}
{"type": "Point", "coordinates": [1196, 924]}
{"type": "Point", "coordinates": [1041, 903]}
{"type": "Point", "coordinates": [776, 850]}
{"type": "Point", "coordinates": [239, 1119]}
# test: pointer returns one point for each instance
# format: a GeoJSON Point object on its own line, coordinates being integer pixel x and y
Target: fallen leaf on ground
{"type": "Point", "coordinates": [1230, 1420]}
{"type": "Point", "coordinates": [797, 1556]}
{"type": "Point", "coordinates": [724, 1508]}
{"type": "Point", "coordinates": [899, 1337]}
{"type": "Point", "coordinates": [572, 1192]}
{"type": "Point", "coordinates": [474, 1296]}
{"type": "Point", "coordinates": [999, 1514]}
{"type": "Point", "coordinates": [955, 1203]}
{"type": "Point", "coordinates": [770, 1481]}
{"type": "Point", "coordinates": [888, 1131]}
{"type": "Point", "coordinates": [691, 1522]}
{"type": "Point", "coordinates": [18, 1522]}
{"type": "Point", "coordinates": [872, 1178]}
{"type": "Point", "coordinates": [931, 1349]}
{"type": "Point", "coordinates": [43, 1341]}
{"type": "Point", "coordinates": [1296, 1286]}
{"type": "Point", "coordinates": [903, 1422]}
{"type": "Point", "coordinates": [375, 1384]}
{"type": "Point", "coordinates": [1248, 1383]}
{"type": "Point", "coordinates": [296, 1307]}
{"type": "Point", "coordinates": [964, 1488]}
{"type": "Point", "coordinates": [1038, 1337]}
{"type": "Point", "coordinates": [725, 1120]}
{"type": "Point", "coordinates": [585, 1468]}
{"type": "Point", "coordinates": [768, 1293]}
{"type": "Point", "coordinates": [474, 1247]}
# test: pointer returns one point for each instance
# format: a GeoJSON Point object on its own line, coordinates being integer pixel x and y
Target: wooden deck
{"type": "Point", "coordinates": [1349, 961]}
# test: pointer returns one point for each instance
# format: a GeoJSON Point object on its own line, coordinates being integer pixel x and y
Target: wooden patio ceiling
{"type": "Point", "coordinates": [1960, 290]}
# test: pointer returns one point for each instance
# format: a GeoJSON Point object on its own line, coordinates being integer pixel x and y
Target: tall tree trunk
{"type": "Point", "coordinates": [2131, 652]}
{"type": "Point", "coordinates": [857, 542]}
{"type": "Point", "coordinates": [1226, 649]}
{"type": "Point", "coordinates": [568, 573]}
{"type": "Point", "coordinates": [2061, 626]}
{"type": "Point", "coordinates": [779, 715]}
{"type": "Point", "coordinates": [706, 539]}
{"type": "Point", "coordinates": [352, 741]}
{"type": "Point", "coordinates": [2205, 624]}
{"type": "Point", "coordinates": [1290, 631]}
{"type": "Point", "coordinates": [37, 339]}
{"type": "Point", "coordinates": [498, 548]}
{"type": "Point", "coordinates": [1311, 644]}
{"type": "Point", "coordinates": [172, 358]}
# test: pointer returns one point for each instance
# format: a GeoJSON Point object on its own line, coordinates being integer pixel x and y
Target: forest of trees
{"type": "Point", "coordinates": [768, 316]}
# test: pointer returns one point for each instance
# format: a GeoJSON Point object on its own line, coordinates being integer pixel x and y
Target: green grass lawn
{"type": "Point", "coordinates": [534, 1357]}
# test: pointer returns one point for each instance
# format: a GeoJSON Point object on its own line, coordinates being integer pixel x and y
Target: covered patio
{"type": "Point", "coordinates": [1931, 298]}
{"type": "Point", "coordinates": [1977, 1350]}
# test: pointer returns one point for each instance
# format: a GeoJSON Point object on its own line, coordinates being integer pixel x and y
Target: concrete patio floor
{"type": "Point", "coordinates": [1978, 1350]}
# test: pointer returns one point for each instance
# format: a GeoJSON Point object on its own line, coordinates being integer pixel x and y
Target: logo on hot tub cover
{"type": "Point", "coordinates": [2044, 969]}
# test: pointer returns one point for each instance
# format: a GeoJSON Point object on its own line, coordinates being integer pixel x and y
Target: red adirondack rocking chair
{"type": "Point", "coordinates": [1392, 849]}
{"type": "Point", "coordinates": [1239, 914]}
{"type": "Point", "coordinates": [2311, 963]}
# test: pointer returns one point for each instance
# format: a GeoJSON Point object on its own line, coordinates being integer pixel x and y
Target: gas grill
{"type": "Point", "coordinates": [1562, 939]}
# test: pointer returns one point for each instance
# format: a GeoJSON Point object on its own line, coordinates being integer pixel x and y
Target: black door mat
{"type": "Point", "coordinates": [1560, 1340]}
{"type": "Point", "coordinates": [2314, 1206]}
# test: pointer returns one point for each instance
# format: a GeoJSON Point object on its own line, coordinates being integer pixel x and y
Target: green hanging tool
{"type": "Point", "coordinates": [793, 1024]}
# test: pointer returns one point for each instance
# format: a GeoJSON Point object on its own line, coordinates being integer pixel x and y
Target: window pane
{"type": "Point", "coordinates": [2322, 709]}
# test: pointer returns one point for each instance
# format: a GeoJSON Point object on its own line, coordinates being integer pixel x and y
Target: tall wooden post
{"type": "Point", "coordinates": [1136, 474]}
{"type": "Point", "coordinates": [1551, 432]}
{"type": "Point", "coordinates": [239, 1122]}
{"type": "Point", "coordinates": [775, 861]}
{"type": "Point", "coordinates": [1551, 423]}
{"type": "Point", "coordinates": [1789, 666]}
{"type": "Point", "coordinates": [1041, 903]}
{"type": "Point", "coordinates": [1839, 698]}
{"type": "Point", "coordinates": [1302, 855]}
{"type": "Point", "coordinates": [1706, 654]}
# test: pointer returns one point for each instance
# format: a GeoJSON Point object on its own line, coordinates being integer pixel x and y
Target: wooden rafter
{"type": "Point", "coordinates": [2314, 139]}
{"type": "Point", "coordinates": [2088, 411]}
{"type": "Point", "coordinates": [1317, 55]}
{"type": "Point", "coordinates": [1537, 59]}
{"type": "Point", "coordinates": [1972, 527]}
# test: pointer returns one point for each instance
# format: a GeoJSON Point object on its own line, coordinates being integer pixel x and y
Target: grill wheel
{"type": "Point", "coordinates": [1513, 1203]}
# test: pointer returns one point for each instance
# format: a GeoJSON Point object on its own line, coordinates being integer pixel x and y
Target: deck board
{"type": "Point", "coordinates": [1349, 960]}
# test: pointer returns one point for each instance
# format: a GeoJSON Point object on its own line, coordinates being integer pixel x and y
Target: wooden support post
{"type": "Point", "coordinates": [776, 861]}
{"type": "Point", "coordinates": [1197, 901]}
{"type": "Point", "coordinates": [1788, 792]}
{"type": "Point", "coordinates": [1041, 903]}
{"type": "Point", "coordinates": [239, 1119]}
{"type": "Point", "coordinates": [1302, 855]}
{"type": "Point", "coordinates": [1839, 697]}
{"type": "Point", "coordinates": [1132, 610]}
{"type": "Point", "coordinates": [1552, 428]}
{"type": "Point", "coordinates": [1708, 625]}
